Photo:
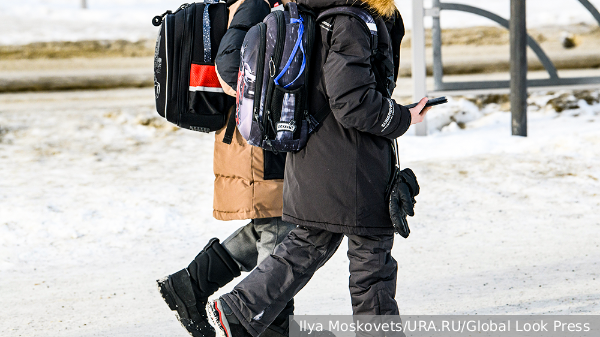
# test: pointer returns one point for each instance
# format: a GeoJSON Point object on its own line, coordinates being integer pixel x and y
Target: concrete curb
{"type": "Point", "coordinates": [75, 82]}
{"type": "Point", "coordinates": [112, 78]}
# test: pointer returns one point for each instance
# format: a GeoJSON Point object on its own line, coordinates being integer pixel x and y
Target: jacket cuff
{"type": "Point", "coordinates": [403, 120]}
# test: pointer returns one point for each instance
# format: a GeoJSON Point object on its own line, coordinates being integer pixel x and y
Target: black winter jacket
{"type": "Point", "coordinates": [338, 181]}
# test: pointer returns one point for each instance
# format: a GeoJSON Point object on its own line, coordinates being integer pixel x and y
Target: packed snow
{"type": "Point", "coordinates": [99, 197]}
{"type": "Point", "coordinates": [64, 20]}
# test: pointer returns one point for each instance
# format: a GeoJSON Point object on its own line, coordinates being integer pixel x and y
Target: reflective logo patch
{"type": "Point", "coordinates": [291, 126]}
{"type": "Point", "coordinates": [390, 116]}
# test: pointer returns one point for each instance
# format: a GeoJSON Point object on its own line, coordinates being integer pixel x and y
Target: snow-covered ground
{"type": "Point", "coordinates": [99, 197]}
{"type": "Point", "coordinates": [28, 21]}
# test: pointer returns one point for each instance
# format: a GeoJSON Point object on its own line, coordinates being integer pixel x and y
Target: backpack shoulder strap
{"type": "Point", "coordinates": [360, 14]}
{"type": "Point", "coordinates": [228, 137]}
{"type": "Point", "coordinates": [397, 33]}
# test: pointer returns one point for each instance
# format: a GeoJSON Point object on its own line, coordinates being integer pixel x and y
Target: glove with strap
{"type": "Point", "coordinates": [402, 200]}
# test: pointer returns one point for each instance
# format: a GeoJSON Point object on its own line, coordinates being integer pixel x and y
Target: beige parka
{"type": "Point", "coordinates": [241, 192]}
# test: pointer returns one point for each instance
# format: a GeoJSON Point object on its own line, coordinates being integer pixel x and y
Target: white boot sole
{"type": "Point", "coordinates": [217, 319]}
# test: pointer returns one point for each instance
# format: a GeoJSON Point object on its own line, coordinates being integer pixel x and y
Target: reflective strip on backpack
{"type": "Point", "coordinates": [207, 89]}
{"type": "Point", "coordinates": [206, 34]}
{"type": "Point", "coordinates": [372, 26]}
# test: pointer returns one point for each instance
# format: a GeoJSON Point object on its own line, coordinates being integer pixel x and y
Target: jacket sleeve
{"type": "Point", "coordinates": [248, 14]}
{"type": "Point", "coordinates": [350, 84]}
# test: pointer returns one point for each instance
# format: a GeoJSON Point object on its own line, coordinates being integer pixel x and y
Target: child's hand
{"type": "Point", "coordinates": [418, 113]}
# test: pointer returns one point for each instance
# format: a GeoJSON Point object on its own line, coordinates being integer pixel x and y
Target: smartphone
{"type": "Point", "coordinates": [431, 102]}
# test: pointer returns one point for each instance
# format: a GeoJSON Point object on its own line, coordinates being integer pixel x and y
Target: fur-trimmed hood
{"type": "Point", "coordinates": [384, 8]}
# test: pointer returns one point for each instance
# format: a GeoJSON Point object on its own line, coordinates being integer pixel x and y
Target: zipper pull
{"type": "Point", "coordinates": [184, 6]}
{"type": "Point", "coordinates": [270, 119]}
{"type": "Point", "coordinates": [157, 20]}
{"type": "Point", "coordinates": [268, 141]}
{"type": "Point", "coordinates": [272, 67]}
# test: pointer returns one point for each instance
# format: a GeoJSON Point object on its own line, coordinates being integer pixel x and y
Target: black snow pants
{"type": "Point", "coordinates": [258, 299]}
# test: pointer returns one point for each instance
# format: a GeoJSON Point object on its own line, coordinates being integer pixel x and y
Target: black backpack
{"type": "Point", "coordinates": [271, 109]}
{"type": "Point", "coordinates": [187, 90]}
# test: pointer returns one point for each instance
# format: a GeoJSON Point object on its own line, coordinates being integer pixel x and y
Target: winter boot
{"type": "Point", "coordinates": [222, 319]}
{"type": "Point", "coordinates": [187, 290]}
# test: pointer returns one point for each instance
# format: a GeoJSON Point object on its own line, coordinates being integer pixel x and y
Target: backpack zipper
{"type": "Point", "coordinates": [186, 62]}
{"type": "Point", "coordinates": [274, 64]}
{"type": "Point", "coordinates": [166, 21]}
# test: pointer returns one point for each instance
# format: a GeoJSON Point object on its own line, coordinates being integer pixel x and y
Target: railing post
{"type": "Point", "coordinates": [419, 70]}
{"type": "Point", "coordinates": [518, 67]}
{"type": "Point", "coordinates": [436, 41]}
{"type": "Point", "coordinates": [84, 4]}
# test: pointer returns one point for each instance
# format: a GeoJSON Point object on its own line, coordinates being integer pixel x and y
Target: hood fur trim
{"type": "Point", "coordinates": [385, 8]}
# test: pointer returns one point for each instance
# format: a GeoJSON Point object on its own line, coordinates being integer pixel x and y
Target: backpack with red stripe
{"type": "Point", "coordinates": [187, 89]}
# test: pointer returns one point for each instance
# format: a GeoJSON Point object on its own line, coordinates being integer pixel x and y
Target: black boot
{"type": "Point", "coordinates": [187, 290]}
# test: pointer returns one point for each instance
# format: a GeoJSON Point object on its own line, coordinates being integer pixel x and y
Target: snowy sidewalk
{"type": "Point", "coordinates": [99, 197]}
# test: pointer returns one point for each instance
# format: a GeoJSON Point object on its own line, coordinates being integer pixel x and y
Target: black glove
{"type": "Point", "coordinates": [402, 200]}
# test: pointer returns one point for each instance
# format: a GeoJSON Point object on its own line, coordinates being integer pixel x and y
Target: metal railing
{"type": "Point", "coordinates": [438, 70]}
{"type": "Point", "coordinates": [419, 65]}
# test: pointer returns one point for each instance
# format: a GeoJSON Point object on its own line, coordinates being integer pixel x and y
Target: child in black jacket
{"type": "Point", "coordinates": [336, 186]}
